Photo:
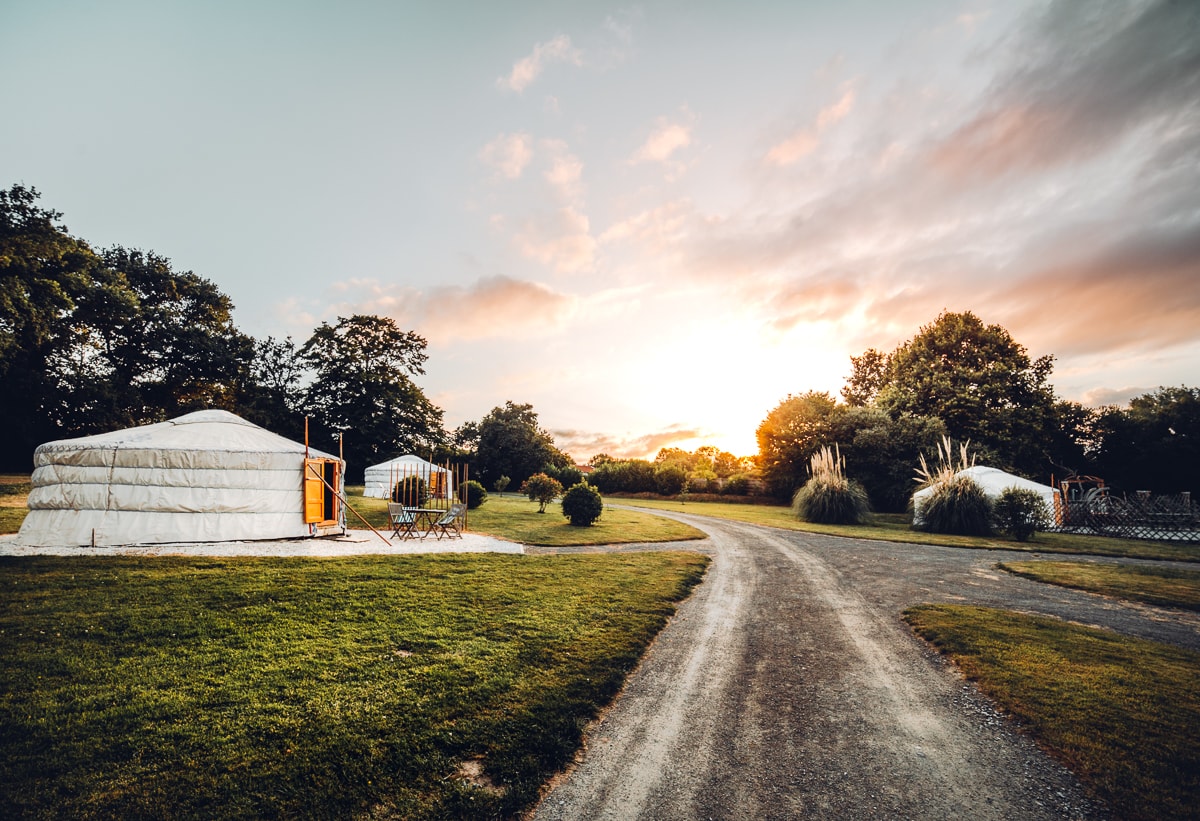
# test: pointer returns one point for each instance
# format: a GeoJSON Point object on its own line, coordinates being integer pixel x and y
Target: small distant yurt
{"type": "Point", "coordinates": [994, 482]}
{"type": "Point", "coordinates": [208, 476]}
{"type": "Point", "coordinates": [378, 480]}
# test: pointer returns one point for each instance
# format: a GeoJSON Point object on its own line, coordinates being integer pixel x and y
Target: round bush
{"type": "Point", "coordinates": [831, 503]}
{"type": "Point", "coordinates": [957, 505]}
{"type": "Point", "coordinates": [582, 504]}
{"type": "Point", "coordinates": [670, 479]}
{"type": "Point", "coordinates": [1020, 513]}
{"type": "Point", "coordinates": [736, 485]}
{"type": "Point", "coordinates": [473, 493]}
{"type": "Point", "coordinates": [411, 491]}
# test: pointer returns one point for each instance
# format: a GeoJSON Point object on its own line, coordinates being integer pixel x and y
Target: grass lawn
{"type": "Point", "coordinates": [14, 490]}
{"type": "Point", "coordinates": [414, 686]}
{"type": "Point", "coordinates": [1154, 585]}
{"type": "Point", "coordinates": [896, 527]}
{"type": "Point", "coordinates": [517, 519]}
{"type": "Point", "coordinates": [1122, 713]}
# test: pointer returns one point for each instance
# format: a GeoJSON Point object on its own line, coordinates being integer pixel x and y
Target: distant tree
{"type": "Point", "coordinates": [501, 484]}
{"type": "Point", "coordinates": [787, 439]}
{"type": "Point", "coordinates": [542, 489]}
{"type": "Point", "coordinates": [363, 388]}
{"type": "Point", "coordinates": [880, 451]}
{"type": "Point", "coordinates": [980, 382]}
{"type": "Point", "coordinates": [670, 478]}
{"type": "Point", "coordinates": [511, 444]}
{"type": "Point", "coordinates": [868, 377]}
{"type": "Point", "coordinates": [1153, 445]}
{"type": "Point", "coordinates": [273, 395]}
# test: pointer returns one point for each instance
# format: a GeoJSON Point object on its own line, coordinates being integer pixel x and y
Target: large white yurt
{"type": "Point", "coordinates": [208, 476]}
{"type": "Point", "coordinates": [994, 482]}
{"type": "Point", "coordinates": [378, 480]}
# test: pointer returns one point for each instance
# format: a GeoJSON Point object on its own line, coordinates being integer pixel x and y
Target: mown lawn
{"type": "Point", "coordinates": [1122, 713]}
{"type": "Point", "coordinates": [1164, 586]}
{"type": "Point", "coordinates": [320, 688]}
{"type": "Point", "coordinates": [517, 519]}
{"type": "Point", "coordinates": [896, 527]}
{"type": "Point", "coordinates": [14, 491]}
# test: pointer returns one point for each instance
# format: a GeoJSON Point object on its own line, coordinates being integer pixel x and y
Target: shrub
{"type": "Point", "coordinates": [582, 504]}
{"type": "Point", "coordinates": [736, 485]}
{"type": "Point", "coordinates": [411, 491]}
{"type": "Point", "coordinates": [670, 479]}
{"type": "Point", "coordinates": [956, 505]}
{"type": "Point", "coordinates": [828, 497]}
{"type": "Point", "coordinates": [473, 493]}
{"type": "Point", "coordinates": [501, 484]}
{"type": "Point", "coordinates": [1020, 513]}
{"type": "Point", "coordinates": [542, 489]}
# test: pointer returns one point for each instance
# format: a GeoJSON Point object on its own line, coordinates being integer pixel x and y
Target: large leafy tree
{"type": "Point", "coordinates": [790, 435]}
{"type": "Point", "coordinates": [981, 383]}
{"type": "Point", "coordinates": [43, 272]}
{"type": "Point", "coordinates": [511, 444]}
{"type": "Point", "coordinates": [881, 451]}
{"type": "Point", "coordinates": [363, 389]}
{"type": "Point", "coordinates": [273, 396]}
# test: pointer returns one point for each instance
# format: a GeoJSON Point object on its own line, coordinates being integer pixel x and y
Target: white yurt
{"type": "Point", "coordinates": [378, 480]}
{"type": "Point", "coordinates": [994, 482]}
{"type": "Point", "coordinates": [208, 476]}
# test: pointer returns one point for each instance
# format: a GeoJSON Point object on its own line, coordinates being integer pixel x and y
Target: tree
{"type": "Point", "coordinates": [868, 377]}
{"type": "Point", "coordinates": [880, 451]}
{"type": "Point", "coordinates": [1153, 445]}
{"type": "Point", "coordinates": [542, 489]}
{"type": "Point", "coordinates": [43, 271]}
{"type": "Point", "coordinates": [980, 382]}
{"type": "Point", "coordinates": [273, 397]}
{"type": "Point", "coordinates": [788, 438]}
{"type": "Point", "coordinates": [363, 388]}
{"type": "Point", "coordinates": [511, 444]}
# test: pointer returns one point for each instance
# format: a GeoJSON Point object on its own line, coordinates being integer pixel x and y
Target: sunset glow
{"type": "Point", "coordinates": [650, 222]}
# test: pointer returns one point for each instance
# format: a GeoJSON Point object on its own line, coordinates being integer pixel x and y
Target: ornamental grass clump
{"type": "Point", "coordinates": [1020, 512]}
{"type": "Point", "coordinates": [956, 503]}
{"type": "Point", "coordinates": [829, 497]}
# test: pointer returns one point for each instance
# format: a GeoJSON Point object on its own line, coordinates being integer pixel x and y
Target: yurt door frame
{"type": "Point", "coordinates": [321, 482]}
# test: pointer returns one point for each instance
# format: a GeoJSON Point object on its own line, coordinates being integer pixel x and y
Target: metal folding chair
{"type": "Point", "coordinates": [403, 522]}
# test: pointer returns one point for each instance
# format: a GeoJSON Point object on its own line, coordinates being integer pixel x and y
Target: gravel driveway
{"type": "Point", "coordinates": [787, 687]}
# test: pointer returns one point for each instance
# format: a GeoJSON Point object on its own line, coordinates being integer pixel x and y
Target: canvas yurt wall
{"type": "Point", "coordinates": [378, 480]}
{"type": "Point", "coordinates": [994, 482]}
{"type": "Point", "coordinates": [208, 476]}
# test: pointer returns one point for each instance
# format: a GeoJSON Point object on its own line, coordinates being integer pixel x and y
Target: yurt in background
{"type": "Point", "coordinates": [378, 480]}
{"type": "Point", "coordinates": [994, 482]}
{"type": "Point", "coordinates": [208, 476]}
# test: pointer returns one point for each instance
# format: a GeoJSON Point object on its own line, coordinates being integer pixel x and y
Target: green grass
{"type": "Point", "coordinates": [517, 519]}
{"type": "Point", "coordinates": [1154, 585]}
{"type": "Point", "coordinates": [1122, 713]}
{"type": "Point", "coordinates": [14, 491]}
{"type": "Point", "coordinates": [283, 688]}
{"type": "Point", "coordinates": [897, 527]}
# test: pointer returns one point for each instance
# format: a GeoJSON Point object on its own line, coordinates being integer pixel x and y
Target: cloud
{"type": "Point", "coordinates": [492, 307]}
{"type": "Point", "coordinates": [1139, 293]}
{"type": "Point", "coordinates": [804, 141]}
{"type": "Point", "coordinates": [583, 445]}
{"type": "Point", "coordinates": [508, 154]}
{"type": "Point", "coordinates": [1084, 77]}
{"type": "Point", "coordinates": [565, 171]}
{"type": "Point", "coordinates": [664, 141]}
{"type": "Point", "coordinates": [561, 240]}
{"type": "Point", "coordinates": [1100, 397]}
{"type": "Point", "coordinates": [527, 69]}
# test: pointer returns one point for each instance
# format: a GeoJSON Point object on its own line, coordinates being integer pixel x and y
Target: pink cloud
{"type": "Point", "coordinates": [663, 142]}
{"type": "Point", "coordinates": [508, 154]}
{"type": "Point", "coordinates": [561, 240]}
{"type": "Point", "coordinates": [528, 69]}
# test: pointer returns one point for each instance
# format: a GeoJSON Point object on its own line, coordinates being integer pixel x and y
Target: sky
{"type": "Point", "coordinates": [650, 221]}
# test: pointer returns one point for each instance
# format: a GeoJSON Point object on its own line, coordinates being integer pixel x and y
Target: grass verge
{"type": "Point", "coordinates": [14, 492]}
{"type": "Point", "coordinates": [896, 527]}
{"type": "Point", "coordinates": [517, 519]}
{"type": "Point", "coordinates": [414, 687]}
{"type": "Point", "coordinates": [1122, 713]}
{"type": "Point", "coordinates": [1164, 586]}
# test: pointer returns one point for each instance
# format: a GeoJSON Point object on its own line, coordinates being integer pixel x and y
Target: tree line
{"type": "Point", "coordinates": [973, 382]}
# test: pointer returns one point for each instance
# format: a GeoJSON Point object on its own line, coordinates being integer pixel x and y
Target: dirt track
{"type": "Point", "coordinates": [787, 687]}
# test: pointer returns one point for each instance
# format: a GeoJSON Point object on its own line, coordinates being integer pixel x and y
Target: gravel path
{"type": "Point", "coordinates": [787, 687]}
